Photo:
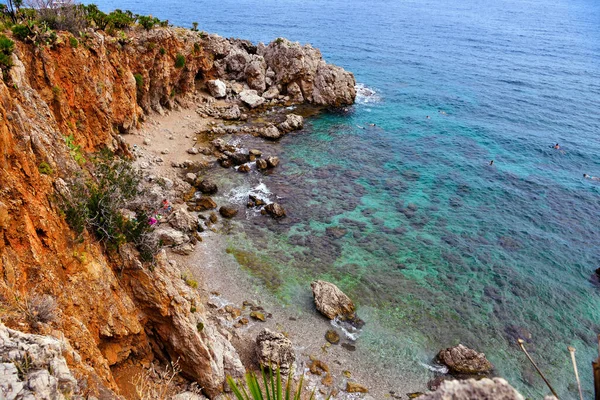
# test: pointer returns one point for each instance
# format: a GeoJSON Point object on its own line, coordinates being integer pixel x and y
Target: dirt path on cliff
{"type": "Point", "coordinates": [164, 140]}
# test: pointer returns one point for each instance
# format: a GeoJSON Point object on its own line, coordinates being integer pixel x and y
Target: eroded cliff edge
{"type": "Point", "coordinates": [109, 308]}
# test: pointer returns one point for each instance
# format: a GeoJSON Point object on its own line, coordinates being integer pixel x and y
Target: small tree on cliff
{"type": "Point", "coordinates": [13, 7]}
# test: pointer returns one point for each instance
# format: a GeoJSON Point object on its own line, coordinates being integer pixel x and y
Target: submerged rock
{"type": "Point", "coordinates": [228, 211]}
{"type": "Point", "coordinates": [202, 204]}
{"type": "Point", "coordinates": [331, 301]}
{"type": "Point", "coordinates": [273, 348]}
{"type": "Point", "coordinates": [270, 132]}
{"type": "Point", "coordinates": [463, 360]}
{"type": "Point", "coordinates": [353, 387]}
{"type": "Point", "coordinates": [484, 389]}
{"type": "Point", "coordinates": [273, 161]}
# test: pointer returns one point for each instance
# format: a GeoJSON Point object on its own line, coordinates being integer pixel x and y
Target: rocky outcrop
{"type": "Point", "coordinates": [251, 98]}
{"type": "Point", "coordinates": [292, 122]}
{"type": "Point", "coordinates": [33, 366]}
{"type": "Point", "coordinates": [463, 360]}
{"type": "Point", "coordinates": [204, 354]}
{"type": "Point", "coordinates": [274, 349]}
{"type": "Point", "coordinates": [302, 67]}
{"type": "Point", "coordinates": [483, 389]}
{"type": "Point", "coordinates": [331, 301]}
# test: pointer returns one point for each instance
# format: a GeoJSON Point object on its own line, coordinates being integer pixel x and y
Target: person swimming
{"type": "Point", "coordinates": [492, 162]}
{"type": "Point", "coordinates": [593, 178]}
{"type": "Point", "coordinates": [556, 146]}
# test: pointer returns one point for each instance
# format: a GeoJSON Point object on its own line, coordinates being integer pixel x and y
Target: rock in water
{"type": "Point", "coordinates": [331, 301]}
{"type": "Point", "coordinates": [463, 360]}
{"type": "Point", "coordinates": [292, 122]}
{"type": "Point", "coordinates": [275, 210]}
{"type": "Point", "coordinates": [228, 211]}
{"type": "Point", "coordinates": [272, 348]}
{"type": "Point", "coordinates": [270, 132]}
{"type": "Point", "coordinates": [332, 336]}
{"type": "Point", "coordinates": [204, 203]}
{"type": "Point", "coordinates": [492, 389]}
{"type": "Point", "coordinates": [273, 161]}
{"type": "Point", "coordinates": [244, 168]}
{"type": "Point", "coordinates": [353, 387]}
{"type": "Point", "coordinates": [217, 88]}
{"type": "Point", "coordinates": [251, 98]}
{"type": "Point", "coordinates": [261, 164]}
{"type": "Point", "coordinates": [207, 187]}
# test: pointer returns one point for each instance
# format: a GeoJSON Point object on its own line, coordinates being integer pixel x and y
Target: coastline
{"type": "Point", "coordinates": [224, 282]}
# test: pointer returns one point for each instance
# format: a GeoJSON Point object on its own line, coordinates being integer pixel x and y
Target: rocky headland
{"type": "Point", "coordinates": [80, 316]}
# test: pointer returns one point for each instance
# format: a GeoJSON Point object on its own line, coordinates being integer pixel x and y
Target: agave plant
{"type": "Point", "coordinates": [272, 388]}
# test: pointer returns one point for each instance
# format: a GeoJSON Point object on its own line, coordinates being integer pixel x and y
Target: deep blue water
{"type": "Point", "coordinates": [437, 246]}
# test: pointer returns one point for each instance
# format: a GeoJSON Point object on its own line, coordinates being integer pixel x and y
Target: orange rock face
{"type": "Point", "coordinates": [90, 94]}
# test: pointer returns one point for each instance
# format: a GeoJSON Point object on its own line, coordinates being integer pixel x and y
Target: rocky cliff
{"type": "Point", "coordinates": [60, 102]}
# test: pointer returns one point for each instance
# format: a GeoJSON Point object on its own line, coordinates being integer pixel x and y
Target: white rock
{"type": "Point", "coordinates": [217, 88]}
{"type": "Point", "coordinates": [251, 98]}
{"type": "Point", "coordinates": [192, 150]}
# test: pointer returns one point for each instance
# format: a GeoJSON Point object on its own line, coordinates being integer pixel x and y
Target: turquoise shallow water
{"type": "Point", "coordinates": [436, 246]}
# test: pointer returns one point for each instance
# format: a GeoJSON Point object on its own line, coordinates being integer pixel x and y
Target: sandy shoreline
{"type": "Point", "coordinates": [222, 280]}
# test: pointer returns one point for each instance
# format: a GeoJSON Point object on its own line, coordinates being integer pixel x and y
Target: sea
{"type": "Point", "coordinates": [395, 200]}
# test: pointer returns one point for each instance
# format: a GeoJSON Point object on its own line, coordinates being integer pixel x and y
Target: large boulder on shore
{"type": "Point", "coordinates": [273, 348]}
{"type": "Point", "coordinates": [482, 389]}
{"type": "Point", "coordinates": [331, 301]}
{"type": "Point", "coordinates": [464, 361]}
{"type": "Point", "coordinates": [217, 88]}
{"type": "Point", "coordinates": [251, 98]}
{"type": "Point", "coordinates": [182, 220]}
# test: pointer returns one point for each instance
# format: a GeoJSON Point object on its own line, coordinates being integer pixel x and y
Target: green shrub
{"type": "Point", "coordinates": [162, 51]}
{"type": "Point", "coordinates": [195, 26]}
{"type": "Point", "coordinates": [139, 80]}
{"type": "Point", "coordinates": [179, 61]}
{"type": "Point", "coordinates": [74, 149]}
{"type": "Point", "coordinates": [197, 48]}
{"type": "Point", "coordinates": [96, 204]}
{"type": "Point", "coordinates": [164, 24]}
{"type": "Point", "coordinates": [200, 326]}
{"type": "Point", "coordinates": [147, 21]}
{"type": "Point", "coordinates": [6, 49]}
{"type": "Point", "coordinates": [279, 40]}
{"type": "Point", "coordinates": [97, 17]}
{"type": "Point", "coordinates": [121, 19]}
{"type": "Point", "coordinates": [21, 31]}
{"type": "Point", "coordinates": [45, 168]}
{"type": "Point", "coordinates": [73, 42]}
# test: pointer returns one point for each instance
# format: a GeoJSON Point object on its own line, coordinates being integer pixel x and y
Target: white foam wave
{"type": "Point", "coordinates": [240, 194]}
{"type": "Point", "coordinates": [440, 369]}
{"type": "Point", "coordinates": [366, 95]}
{"type": "Point", "coordinates": [349, 331]}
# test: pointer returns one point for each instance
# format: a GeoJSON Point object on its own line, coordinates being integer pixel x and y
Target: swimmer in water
{"type": "Point", "coordinates": [492, 162]}
{"type": "Point", "coordinates": [556, 146]}
{"type": "Point", "coordinates": [593, 178]}
{"type": "Point", "coordinates": [428, 117]}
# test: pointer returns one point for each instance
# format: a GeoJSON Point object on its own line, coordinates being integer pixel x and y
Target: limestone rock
{"type": "Point", "coordinates": [44, 375]}
{"type": "Point", "coordinates": [204, 203]}
{"type": "Point", "coordinates": [231, 113]}
{"type": "Point", "coordinates": [273, 348]}
{"type": "Point", "coordinates": [483, 389]}
{"type": "Point", "coordinates": [307, 76]}
{"type": "Point", "coordinates": [244, 168]}
{"type": "Point", "coordinates": [217, 88]}
{"type": "Point", "coordinates": [272, 161]}
{"type": "Point", "coordinates": [272, 93]}
{"type": "Point", "coordinates": [275, 210]}
{"type": "Point", "coordinates": [295, 93]}
{"type": "Point", "coordinates": [182, 220]}
{"type": "Point", "coordinates": [251, 98]}
{"type": "Point", "coordinates": [463, 360]}
{"type": "Point", "coordinates": [270, 132]}
{"type": "Point", "coordinates": [170, 236]}
{"type": "Point", "coordinates": [228, 211]}
{"type": "Point", "coordinates": [331, 301]}
{"type": "Point", "coordinates": [332, 336]}
{"type": "Point", "coordinates": [261, 164]}
{"type": "Point", "coordinates": [292, 122]}
{"type": "Point", "coordinates": [192, 150]}
{"type": "Point", "coordinates": [255, 74]}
